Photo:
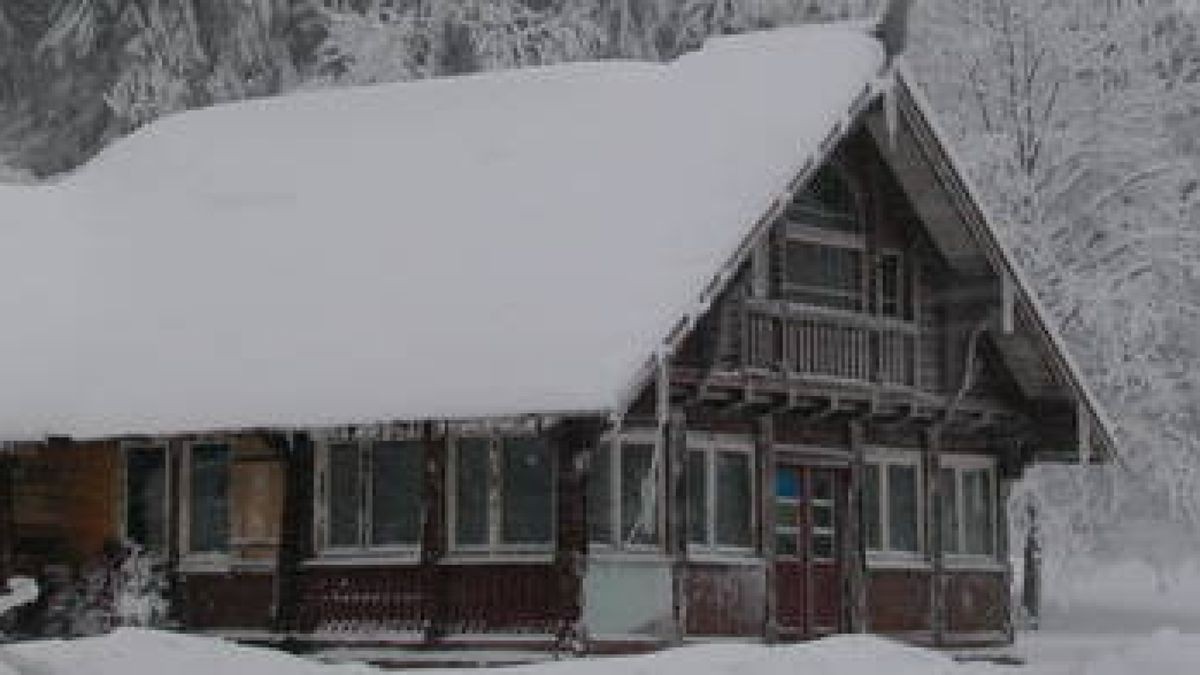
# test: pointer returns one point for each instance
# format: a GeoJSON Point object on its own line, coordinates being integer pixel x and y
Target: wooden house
{"type": "Point", "coordinates": [820, 438]}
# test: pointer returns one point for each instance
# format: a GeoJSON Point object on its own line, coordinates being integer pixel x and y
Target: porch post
{"type": "Point", "coordinates": [7, 528]}
{"type": "Point", "coordinates": [765, 444]}
{"type": "Point", "coordinates": [433, 530]}
{"type": "Point", "coordinates": [933, 525]}
{"type": "Point", "coordinates": [677, 491]}
{"type": "Point", "coordinates": [295, 532]}
{"type": "Point", "coordinates": [855, 544]}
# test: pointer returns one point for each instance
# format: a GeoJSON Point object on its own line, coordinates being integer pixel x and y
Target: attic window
{"type": "Point", "coordinates": [827, 202]}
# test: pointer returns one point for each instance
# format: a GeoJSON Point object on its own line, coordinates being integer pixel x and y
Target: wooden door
{"type": "Point", "coordinates": [809, 505]}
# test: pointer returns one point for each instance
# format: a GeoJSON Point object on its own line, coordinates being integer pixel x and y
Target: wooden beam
{"type": "Point", "coordinates": [677, 525]}
{"type": "Point", "coordinates": [854, 548]}
{"type": "Point", "coordinates": [933, 520]}
{"type": "Point", "coordinates": [765, 446]}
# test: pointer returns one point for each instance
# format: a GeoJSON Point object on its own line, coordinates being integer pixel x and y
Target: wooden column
{"type": "Point", "coordinates": [677, 521]}
{"type": "Point", "coordinates": [433, 532]}
{"type": "Point", "coordinates": [1003, 488]}
{"type": "Point", "coordinates": [933, 526]}
{"type": "Point", "coordinates": [7, 526]}
{"type": "Point", "coordinates": [854, 551]}
{"type": "Point", "coordinates": [295, 532]}
{"type": "Point", "coordinates": [572, 442]}
{"type": "Point", "coordinates": [765, 452]}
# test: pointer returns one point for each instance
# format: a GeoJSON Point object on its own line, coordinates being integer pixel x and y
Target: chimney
{"type": "Point", "coordinates": [892, 29]}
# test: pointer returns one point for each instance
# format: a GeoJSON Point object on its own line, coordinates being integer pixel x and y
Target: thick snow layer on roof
{"type": "Point", "coordinates": [487, 245]}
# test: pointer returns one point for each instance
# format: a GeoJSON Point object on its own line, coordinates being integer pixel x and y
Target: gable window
{"type": "Point", "coordinates": [967, 502]}
{"type": "Point", "coordinates": [146, 497]}
{"type": "Point", "coordinates": [623, 489]}
{"type": "Point", "coordinates": [825, 275]}
{"type": "Point", "coordinates": [824, 247]}
{"type": "Point", "coordinates": [375, 494]}
{"type": "Point", "coordinates": [208, 499]}
{"type": "Point", "coordinates": [502, 493]}
{"type": "Point", "coordinates": [720, 480]}
{"type": "Point", "coordinates": [891, 499]}
{"type": "Point", "coordinates": [892, 286]}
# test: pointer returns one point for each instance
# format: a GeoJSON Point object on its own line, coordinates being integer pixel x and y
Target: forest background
{"type": "Point", "coordinates": [1078, 119]}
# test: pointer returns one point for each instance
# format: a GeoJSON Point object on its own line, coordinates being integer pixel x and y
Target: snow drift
{"type": "Point", "coordinates": [494, 244]}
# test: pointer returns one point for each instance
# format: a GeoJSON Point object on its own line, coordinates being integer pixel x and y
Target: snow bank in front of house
{"type": "Point", "coordinates": [138, 652]}
{"type": "Point", "coordinates": [143, 652]}
{"type": "Point", "coordinates": [486, 245]}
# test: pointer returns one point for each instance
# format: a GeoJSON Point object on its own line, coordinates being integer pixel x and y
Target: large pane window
{"type": "Point", "coordinates": [968, 505]}
{"type": "Point", "coordinates": [638, 494]}
{"type": "Point", "coordinates": [504, 493]}
{"type": "Point", "coordinates": [472, 469]}
{"type": "Point", "coordinates": [599, 495]}
{"type": "Point", "coordinates": [825, 275]}
{"type": "Point", "coordinates": [720, 495]}
{"type": "Point", "coordinates": [209, 504]}
{"type": "Point", "coordinates": [146, 497]}
{"type": "Point", "coordinates": [375, 494]}
{"type": "Point", "coordinates": [345, 485]}
{"type": "Point", "coordinates": [892, 495]}
{"type": "Point", "coordinates": [733, 490]}
{"type": "Point", "coordinates": [697, 485]}
{"type": "Point", "coordinates": [623, 492]}
{"type": "Point", "coordinates": [396, 494]}
{"type": "Point", "coordinates": [948, 509]}
{"type": "Point", "coordinates": [528, 492]}
{"type": "Point", "coordinates": [903, 508]}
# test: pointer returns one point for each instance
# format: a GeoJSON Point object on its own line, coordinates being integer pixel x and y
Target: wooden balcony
{"type": "Point", "coordinates": [814, 342]}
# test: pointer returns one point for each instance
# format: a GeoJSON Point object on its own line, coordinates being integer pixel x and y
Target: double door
{"type": "Point", "coordinates": [809, 511]}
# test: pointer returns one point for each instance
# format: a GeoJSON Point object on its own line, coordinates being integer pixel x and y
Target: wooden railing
{"type": "Point", "coordinates": [803, 340]}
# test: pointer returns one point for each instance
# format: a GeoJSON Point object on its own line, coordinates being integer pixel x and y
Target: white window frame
{"type": "Point", "coordinates": [495, 545]}
{"type": "Point", "coordinates": [199, 561]}
{"type": "Point", "coordinates": [711, 444]}
{"type": "Point", "coordinates": [884, 458]}
{"type": "Point", "coordinates": [959, 464]}
{"type": "Point", "coordinates": [322, 489]}
{"type": "Point", "coordinates": [612, 443]}
{"type": "Point", "coordinates": [126, 447]}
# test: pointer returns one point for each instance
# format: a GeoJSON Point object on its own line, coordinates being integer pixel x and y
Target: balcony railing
{"type": "Point", "coordinates": [803, 340]}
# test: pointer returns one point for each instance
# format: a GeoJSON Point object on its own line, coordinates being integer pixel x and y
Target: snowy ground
{"type": "Point", "coordinates": [1120, 621]}
{"type": "Point", "coordinates": [137, 652]}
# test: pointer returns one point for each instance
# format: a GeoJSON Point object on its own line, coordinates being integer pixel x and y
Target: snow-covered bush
{"type": "Point", "coordinates": [128, 587]}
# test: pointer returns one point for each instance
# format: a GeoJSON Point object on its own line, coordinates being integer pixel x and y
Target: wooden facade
{"type": "Point", "coordinates": [825, 448]}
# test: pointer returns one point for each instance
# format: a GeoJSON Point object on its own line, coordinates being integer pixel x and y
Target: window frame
{"type": "Point", "coordinates": [711, 445]}
{"type": "Point", "coordinates": [495, 544]}
{"type": "Point", "coordinates": [203, 560]}
{"type": "Point", "coordinates": [612, 444]}
{"type": "Point", "coordinates": [883, 458]}
{"type": "Point", "coordinates": [960, 464]}
{"type": "Point", "coordinates": [126, 447]}
{"type": "Point", "coordinates": [364, 450]}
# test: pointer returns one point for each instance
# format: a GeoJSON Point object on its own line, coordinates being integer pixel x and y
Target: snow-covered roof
{"type": "Point", "coordinates": [489, 245]}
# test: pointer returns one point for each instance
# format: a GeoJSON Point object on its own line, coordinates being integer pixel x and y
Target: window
{"type": "Point", "coordinates": [720, 480]}
{"type": "Point", "coordinates": [892, 286]}
{"type": "Point", "coordinates": [623, 488]}
{"type": "Point", "coordinates": [375, 494]}
{"type": "Point", "coordinates": [967, 503]}
{"type": "Point", "coordinates": [824, 275]}
{"type": "Point", "coordinates": [891, 501]}
{"type": "Point", "coordinates": [827, 202]}
{"type": "Point", "coordinates": [146, 497]}
{"type": "Point", "coordinates": [208, 508]}
{"type": "Point", "coordinates": [824, 248]}
{"type": "Point", "coordinates": [503, 493]}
